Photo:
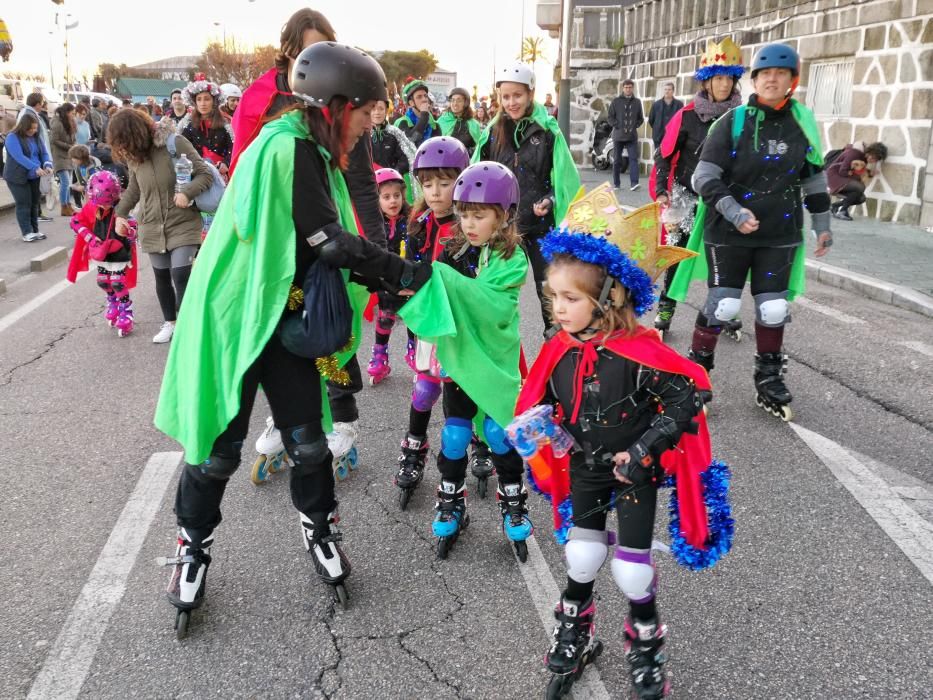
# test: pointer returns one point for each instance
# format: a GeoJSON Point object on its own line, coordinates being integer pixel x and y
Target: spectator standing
{"type": "Point", "coordinates": [64, 129]}
{"type": "Point", "coordinates": [27, 160]}
{"type": "Point", "coordinates": [82, 125]}
{"type": "Point", "coordinates": [662, 111]}
{"type": "Point", "coordinates": [625, 116]}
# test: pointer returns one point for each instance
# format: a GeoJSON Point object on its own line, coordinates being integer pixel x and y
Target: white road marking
{"type": "Point", "coordinates": [900, 522]}
{"type": "Point", "coordinates": [69, 660]}
{"type": "Point", "coordinates": [36, 302]}
{"type": "Point", "coordinates": [827, 311]}
{"type": "Point", "coordinates": [544, 593]}
{"type": "Point", "coordinates": [922, 348]}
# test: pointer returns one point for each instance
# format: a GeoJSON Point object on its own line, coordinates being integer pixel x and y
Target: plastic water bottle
{"type": "Point", "coordinates": [183, 170]}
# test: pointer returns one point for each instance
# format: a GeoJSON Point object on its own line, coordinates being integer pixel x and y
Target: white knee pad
{"type": "Point", "coordinates": [722, 304]}
{"type": "Point", "coordinates": [585, 553]}
{"type": "Point", "coordinates": [634, 573]}
{"type": "Point", "coordinates": [772, 310]}
{"type": "Point", "coordinates": [727, 309]}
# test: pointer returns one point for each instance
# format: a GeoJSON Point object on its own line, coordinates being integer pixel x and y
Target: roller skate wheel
{"type": "Point", "coordinates": [785, 413]}
{"type": "Point", "coordinates": [481, 487]}
{"type": "Point", "coordinates": [341, 470]}
{"type": "Point", "coordinates": [182, 618]}
{"type": "Point", "coordinates": [341, 596]}
{"type": "Point", "coordinates": [558, 687]}
{"type": "Point", "coordinates": [521, 550]}
{"type": "Point", "coordinates": [353, 458]}
{"type": "Point", "coordinates": [277, 463]}
{"type": "Point", "coordinates": [404, 495]}
{"type": "Point", "coordinates": [443, 547]}
{"type": "Point", "coordinates": [260, 474]}
{"type": "Point", "coordinates": [372, 381]}
{"type": "Point", "coordinates": [735, 334]}
{"type": "Point", "coordinates": [122, 333]}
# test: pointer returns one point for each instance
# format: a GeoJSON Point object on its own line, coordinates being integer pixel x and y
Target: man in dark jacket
{"type": "Point", "coordinates": [626, 115]}
{"type": "Point", "coordinates": [662, 111]}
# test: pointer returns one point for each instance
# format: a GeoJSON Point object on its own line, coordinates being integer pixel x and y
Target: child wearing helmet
{"type": "Point", "coordinates": [418, 124]}
{"type": "Point", "coordinates": [205, 125]}
{"type": "Point", "coordinates": [527, 140]}
{"type": "Point", "coordinates": [436, 166]}
{"type": "Point", "coordinates": [230, 95]}
{"type": "Point", "coordinates": [469, 311]}
{"type": "Point", "coordinates": [395, 212]}
{"type": "Point", "coordinates": [114, 253]}
{"type": "Point", "coordinates": [760, 165]}
{"type": "Point", "coordinates": [633, 409]}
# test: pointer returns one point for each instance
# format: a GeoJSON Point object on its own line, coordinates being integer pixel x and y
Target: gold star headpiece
{"type": "Point", "coordinates": [637, 234]}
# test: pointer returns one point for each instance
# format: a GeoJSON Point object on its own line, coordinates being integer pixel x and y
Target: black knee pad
{"type": "Point", "coordinates": [218, 467]}
{"type": "Point", "coordinates": [307, 447]}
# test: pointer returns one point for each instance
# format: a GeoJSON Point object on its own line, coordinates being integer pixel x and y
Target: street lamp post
{"type": "Point", "coordinates": [563, 105]}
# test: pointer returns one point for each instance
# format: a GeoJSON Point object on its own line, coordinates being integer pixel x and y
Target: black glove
{"type": "Point", "coordinates": [414, 275]}
{"type": "Point", "coordinates": [640, 468]}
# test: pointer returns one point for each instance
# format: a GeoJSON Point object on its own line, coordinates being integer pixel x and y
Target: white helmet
{"type": "Point", "coordinates": [230, 90]}
{"type": "Point", "coordinates": [517, 73]}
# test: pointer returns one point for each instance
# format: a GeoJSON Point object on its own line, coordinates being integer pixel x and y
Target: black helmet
{"type": "Point", "coordinates": [459, 91]}
{"type": "Point", "coordinates": [327, 69]}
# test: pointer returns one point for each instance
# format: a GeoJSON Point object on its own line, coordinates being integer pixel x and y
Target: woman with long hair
{"type": "Point", "coordinates": [26, 161]}
{"type": "Point", "coordinates": [62, 137]}
{"type": "Point", "coordinates": [204, 126]}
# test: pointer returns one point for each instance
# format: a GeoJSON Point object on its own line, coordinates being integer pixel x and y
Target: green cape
{"type": "Point", "coordinates": [474, 324]}
{"type": "Point", "coordinates": [565, 178]}
{"type": "Point", "coordinates": [696, 268]}
{"type": "Point", "coordinates": [238, 290]}
{"type": "Point", "coordinates": [448, 122]}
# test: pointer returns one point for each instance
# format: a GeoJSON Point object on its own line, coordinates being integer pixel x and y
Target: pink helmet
{"type": "Point", "coordinates": [388, 175]}
{"type": "Point", "coordinates": [103, 189]}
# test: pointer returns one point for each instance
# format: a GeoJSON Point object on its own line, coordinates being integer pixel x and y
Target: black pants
{"type": "Point", "coordinates": [457, 404]}
{"type": "Point", "coordinates": [768, 268]}
{"type": "Point", "coordinates": [853, 193]}
{"type": "Point", "coordinates": [538, 272]}
{"type": "Point", "coordinates": [292, 385]}
{"type": "Point", "coordinates": [27, 199]}
{"type": "Point", "coordinates": [343, 408]}
{"type": "Point", "coordinates": [590, 493]}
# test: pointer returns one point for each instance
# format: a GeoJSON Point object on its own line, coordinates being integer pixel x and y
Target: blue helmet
{"type": "Point", "coordinates": [776, 56]}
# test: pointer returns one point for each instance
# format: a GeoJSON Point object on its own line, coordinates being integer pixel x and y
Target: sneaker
{"type": "Point", "coordinates": [30, 237]}
{"type": "Point", "coordinates": [634, 187]}
{"type": "Point", "coordinates": [39, 235]}
{"type": "Point", "coordinates": [165, 333]}
{"type": "Point", "coordinates": [45, 219]}
{"type": "Point", "coordinates": [842, 214]}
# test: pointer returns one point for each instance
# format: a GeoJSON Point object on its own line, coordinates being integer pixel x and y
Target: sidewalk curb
{"type": "Point", "coordinates": [49, 259]}
{"type": "Point", "coordinates": [871, 287]}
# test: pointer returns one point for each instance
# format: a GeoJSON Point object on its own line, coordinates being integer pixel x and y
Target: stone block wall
{"type": "Point", "coordinates": [892, 93]}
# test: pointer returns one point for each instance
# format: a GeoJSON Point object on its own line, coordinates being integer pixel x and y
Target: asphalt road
{"type": "Point", "coordinates": [819, 598]}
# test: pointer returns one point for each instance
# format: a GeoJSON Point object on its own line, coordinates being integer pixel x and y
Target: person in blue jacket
{"type": "Point", "coordinates": [27, 159]}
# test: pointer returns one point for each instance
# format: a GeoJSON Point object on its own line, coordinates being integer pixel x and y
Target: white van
{"type": "Point", "coordinates": [13, 94]}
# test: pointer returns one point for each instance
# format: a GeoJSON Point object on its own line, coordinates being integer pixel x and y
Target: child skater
{"type": "Point", "coordinates": [96, 239]}
{"type": "Point", "coordinates": [436, 165]}
{"type": "Point", "coordinates": [395, 213]}
{"type": "Point", "coordinates": [633, 408]}
{"type": "Point", "coordinates": [469, 310]}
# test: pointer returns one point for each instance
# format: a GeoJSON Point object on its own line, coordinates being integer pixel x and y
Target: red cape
{"type": "Point", "coordinates": [251, 112]}
{"type": "Point", "coordinates": [80, 261]}
{"type": "Point", "coordinates": [685, 463]}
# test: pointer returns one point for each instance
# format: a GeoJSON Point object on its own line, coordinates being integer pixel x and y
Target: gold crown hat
{"type": "Point", "coordinates": [720, 58]}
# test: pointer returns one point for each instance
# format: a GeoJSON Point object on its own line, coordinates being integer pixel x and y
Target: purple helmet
{"type": "Point", "coordinates": [487, 182]}
{"type": "Point", "coordinates": [441, 152]}
{"type": "Point", "coordinates": [103, 189]}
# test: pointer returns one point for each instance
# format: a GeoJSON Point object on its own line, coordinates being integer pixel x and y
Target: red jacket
{"type": "Point", "coordinates": [86, 217]}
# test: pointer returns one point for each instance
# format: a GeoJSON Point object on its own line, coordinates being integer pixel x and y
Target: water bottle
{"type": "Point", "coordinates": [183, 170]}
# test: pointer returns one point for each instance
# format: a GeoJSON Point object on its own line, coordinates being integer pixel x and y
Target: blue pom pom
{"type": "Point", "coordinates": [721, 526]}
{"type": "Point", "coordinates": [599, 251]}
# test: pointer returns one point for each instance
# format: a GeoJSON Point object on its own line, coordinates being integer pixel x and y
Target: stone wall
{"type": "Point", "coordinates": [892, 95]}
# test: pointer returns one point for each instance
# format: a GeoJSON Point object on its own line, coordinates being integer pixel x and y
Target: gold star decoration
{"type": "Point", "coordinates": [637, 234]}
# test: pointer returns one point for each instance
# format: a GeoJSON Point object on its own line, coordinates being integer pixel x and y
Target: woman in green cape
{"type": "Point", "coordinates": [458, 120]}
{"type": "Point", "coordinates": [286, 207]}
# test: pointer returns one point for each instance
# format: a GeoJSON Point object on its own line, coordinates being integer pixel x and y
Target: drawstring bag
{"type": "Point", "coordinates": [99, 249]}
{"type": "Point", "coordinates": [325, 323]}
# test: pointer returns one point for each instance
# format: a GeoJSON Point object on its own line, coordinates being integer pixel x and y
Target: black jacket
{"type": "Point", "coordinates": [762, 173]}
{"type": "Point", "coordinates": [690, 140]}
{"type": "Point", "coordinates": [387, 151]}
{"type": "Point", "coordinates": [531, 163]}
{"type": "Point", "coordinates": [661, 113]}
{"type": "Point", "coordinates": [625, 115]}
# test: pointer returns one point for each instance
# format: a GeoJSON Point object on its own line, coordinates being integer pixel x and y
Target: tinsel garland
{"type": "Point", "coordinates": [329, 367]}
{"type": "Point", "coordinates": [707, 72]}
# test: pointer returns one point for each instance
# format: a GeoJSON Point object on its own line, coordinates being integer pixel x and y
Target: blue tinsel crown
{"type": "Point", "coordinates": [708, 72]}
{"type": "Point", "coordinates": [599, 251]}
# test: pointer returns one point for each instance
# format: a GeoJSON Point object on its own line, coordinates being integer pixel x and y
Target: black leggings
{"type": "Point", "coordinates": [293, 388]}
{"type": "Point", "coordinates": [768, 268]}
{"type": "Point", "coordinates": [852, 193]}
{"type": "Point", "coordinates": [172, 270]}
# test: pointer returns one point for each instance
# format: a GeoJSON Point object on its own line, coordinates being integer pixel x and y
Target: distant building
{"type": "Point", "coordinates": [138, 89]}
{"type": "Point", "coordinates": [172, 68]}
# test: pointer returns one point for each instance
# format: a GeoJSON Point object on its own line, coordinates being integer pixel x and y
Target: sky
{"type": "Point", "coordinates": [469, 38]}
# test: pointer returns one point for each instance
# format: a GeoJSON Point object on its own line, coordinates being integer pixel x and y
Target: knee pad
{"type": "Point", "coordinates": [772, 309]}
{"type": "Point", "coordinates": [722, 304]}
{"type": "Point", "coordinates": [425, 392]}
{"type": "Point", "coordinates": [634, 574]}
{"type": "Point", "coordinates": [585, 553]}
{"type": "Point", "coordinates": [455, 437]}
{"type": "Point", "coordinates": [118, 283]}
{"type": "Point", "coordinates": [103, 281]}
{"type": "Point", "coordinates": [385, 320]}
{"type": "Point", "coordinates": [218, 466]}
{"type": "Point", "coordinates": [307, 448]}
{"type": "Point", "coordinates": [495, 437]}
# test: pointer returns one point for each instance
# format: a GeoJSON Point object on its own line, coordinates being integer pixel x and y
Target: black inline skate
{"type": "Point", "coordinates": [733, 329]}
{"type": "Point", "coordinates": [643, 649]}
{"type": "Point", "coordinates": [189, 577]}
{"type": "Point", "coordinates": [322, 540]}
{"type": "Point", "coordinates": [662, 322]}
{"type": "Point", "coordinates": [515, 521]}
{"type": "Point", "coordinates": [410, 467]}
{"type": "Point", "coordinates": [772, 395]}
{"type": "Point", "coordinates": [481, 466]}
{"type": "Point", "coordinates": [574, 645]}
